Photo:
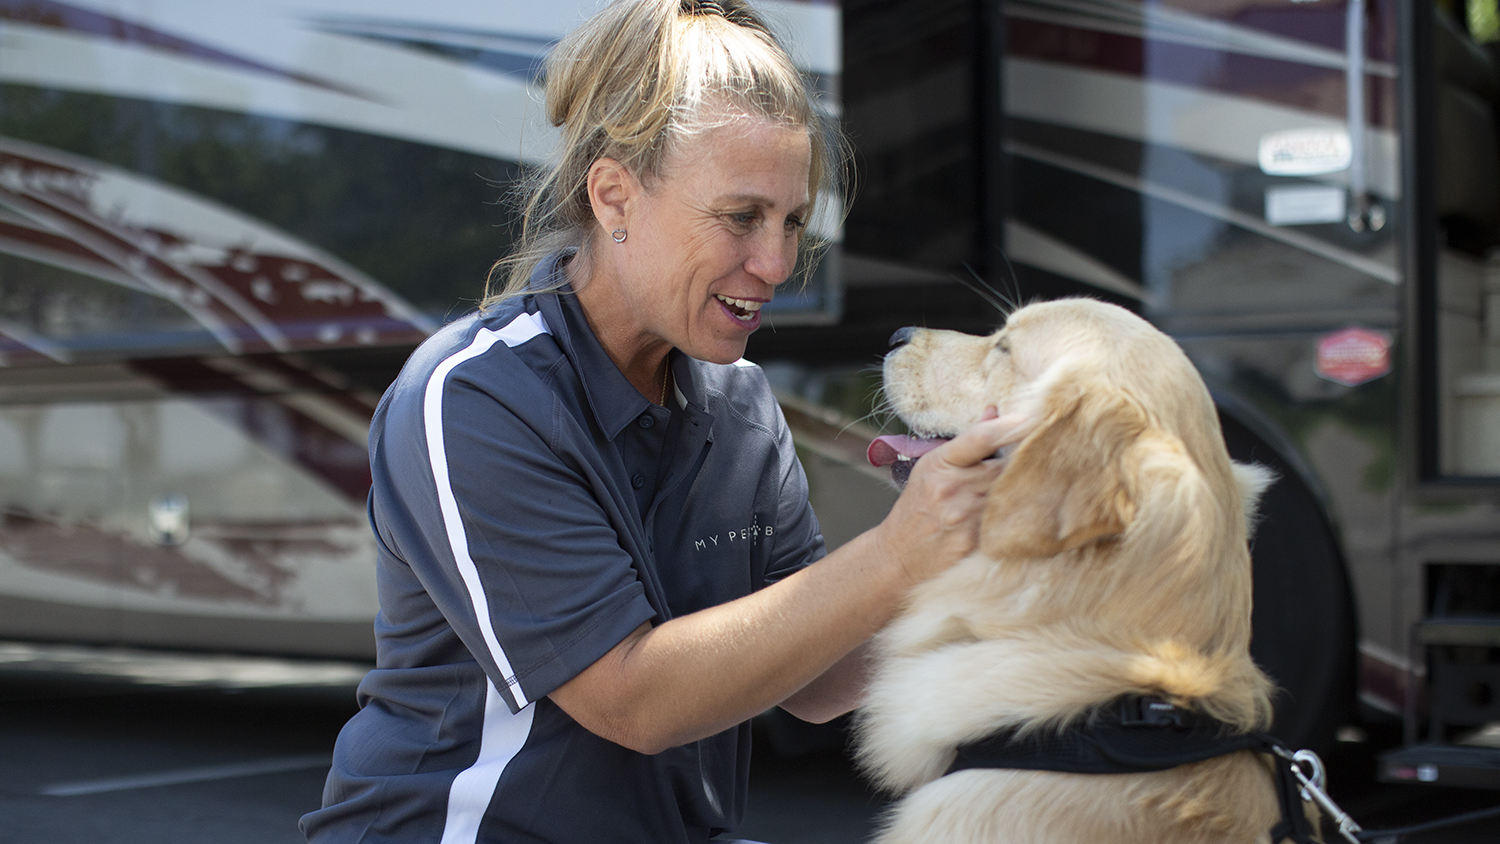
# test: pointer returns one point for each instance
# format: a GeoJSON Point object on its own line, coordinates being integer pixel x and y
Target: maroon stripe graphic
{"type": "Point", "coordinates": [340, 462]}
{"type": "Point", "coordinates": [74, 219]}
{"type": "Point", "coordinates": [29, 238]}
{"type": "Point", "coordinates": [1293, 84]}
{"type": "Point", "coordinates": [1319, 24]}
{"type": "Point", "coordinates": [251, 301]}
{"type": "Point", "coordinates": [51, 13]}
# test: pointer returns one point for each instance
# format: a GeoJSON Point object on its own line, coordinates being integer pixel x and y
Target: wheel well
{"type": "Point", "coordinates": [1304, 619]}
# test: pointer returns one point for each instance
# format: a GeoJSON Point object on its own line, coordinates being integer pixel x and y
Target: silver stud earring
{"type": "Point", "coordinates": [619, 235]}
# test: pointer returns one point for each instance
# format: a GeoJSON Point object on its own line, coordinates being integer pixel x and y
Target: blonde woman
{"type": "Point", "coordinates": [597, 558]}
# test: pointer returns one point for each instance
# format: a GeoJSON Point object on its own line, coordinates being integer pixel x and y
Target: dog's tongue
{"type": "Point", "coordinates": [887, 449]}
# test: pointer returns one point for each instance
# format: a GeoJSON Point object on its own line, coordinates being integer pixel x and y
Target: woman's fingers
{"type": "Point", "coordinates": [936, 521]}
{"type": "Point", "coordinates": [982, 439]}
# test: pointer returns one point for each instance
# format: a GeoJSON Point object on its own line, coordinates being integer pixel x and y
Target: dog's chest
{"type": "Point", "coordinates": [970, 602]}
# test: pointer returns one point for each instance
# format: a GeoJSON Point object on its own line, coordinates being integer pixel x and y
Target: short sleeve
{"type": "Point", "coordinates": [509, 539]}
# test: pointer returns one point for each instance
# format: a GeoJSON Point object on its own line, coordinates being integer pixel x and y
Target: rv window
{"type": "Point", "coordinates": [1466, 196]}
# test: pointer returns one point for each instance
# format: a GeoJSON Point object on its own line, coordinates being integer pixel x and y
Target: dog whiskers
{"type": "Point", "coordinates": [1015, 280]}
{"type": "Point", "coordinates": [984, 291]}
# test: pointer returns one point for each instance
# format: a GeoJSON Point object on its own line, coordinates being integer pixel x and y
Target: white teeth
{"type": "Point", "coordinates": [742, 304]}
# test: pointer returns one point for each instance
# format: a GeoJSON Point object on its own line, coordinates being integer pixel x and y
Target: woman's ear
{"type": "Point", "coordinates": [611, 188]}
{"type": "Point", "coordinates": [1066, 484]}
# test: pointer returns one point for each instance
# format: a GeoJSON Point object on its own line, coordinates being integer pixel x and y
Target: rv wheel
{"type": "Point", "coordinates": [1303, 624]}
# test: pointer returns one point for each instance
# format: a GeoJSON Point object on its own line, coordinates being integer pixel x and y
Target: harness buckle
{"type": "Point", "coordinates": [1137, 711]}
{"type": "Point", "coordinates": [1310, 773]}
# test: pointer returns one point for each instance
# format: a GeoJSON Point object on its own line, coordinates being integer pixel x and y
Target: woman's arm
{"type": "Point", "coordinates": [834, 692]}
{"type": "Point", "coordinates": [702, 673]}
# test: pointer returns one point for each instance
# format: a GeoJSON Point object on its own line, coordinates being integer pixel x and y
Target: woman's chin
{"type": "Point", "coordinates": [720, 352]}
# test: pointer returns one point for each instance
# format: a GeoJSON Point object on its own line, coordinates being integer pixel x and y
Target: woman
{"type": "Point", "coordinates": [597, 558]}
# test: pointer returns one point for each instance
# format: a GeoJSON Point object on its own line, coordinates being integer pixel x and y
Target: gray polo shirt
{"type": "Point", "coordinates": [532, 509]}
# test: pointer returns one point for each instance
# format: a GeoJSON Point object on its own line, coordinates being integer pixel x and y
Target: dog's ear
{"type": "Point", "coordinates": [1066, 484]}
{"type": "Point", "coordinates": [1253, 480]}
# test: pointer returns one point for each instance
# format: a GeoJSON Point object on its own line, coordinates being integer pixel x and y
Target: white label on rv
{"type": "Point", "coordinates": [1301, 205]}
{"type": "Point", "coordinates": [1305, 152]}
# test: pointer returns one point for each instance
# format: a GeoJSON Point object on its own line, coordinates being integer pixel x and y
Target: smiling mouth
{"type": "Point", "coordinates": [743, 310]}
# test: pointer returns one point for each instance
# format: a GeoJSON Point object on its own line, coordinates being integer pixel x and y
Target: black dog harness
{"type": "Point", "coordinates": [1137, 734]}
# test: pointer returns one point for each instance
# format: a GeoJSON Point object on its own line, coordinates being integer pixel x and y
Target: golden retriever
{"type": "Point", "coordinates": [1113, 560]}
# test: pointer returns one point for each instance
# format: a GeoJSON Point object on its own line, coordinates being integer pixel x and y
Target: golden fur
{"type": "Point", "coordinates": [1113, 560]}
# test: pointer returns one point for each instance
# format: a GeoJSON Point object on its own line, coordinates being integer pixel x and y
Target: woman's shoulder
{"type": "Point", "coordinates": [509, 324]}
{"type": "Point", "coordinates": [487, 351]}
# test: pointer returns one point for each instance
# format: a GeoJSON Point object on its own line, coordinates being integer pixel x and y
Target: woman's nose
{"type": "Point", "coordinates": [773, 260]}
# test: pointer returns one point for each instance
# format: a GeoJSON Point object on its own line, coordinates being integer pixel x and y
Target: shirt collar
{"type": "Point", "coordinates": [615, 402]}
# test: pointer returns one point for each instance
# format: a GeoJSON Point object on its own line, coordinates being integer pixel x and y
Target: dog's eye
{"type": "Point", "coordinates": [1003, 346]}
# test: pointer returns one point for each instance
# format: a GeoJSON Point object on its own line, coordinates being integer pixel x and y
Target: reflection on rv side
{"type": "Point", "coordinates": [242, 285]}
{"type": "Point", "coordinates": [252, 531]}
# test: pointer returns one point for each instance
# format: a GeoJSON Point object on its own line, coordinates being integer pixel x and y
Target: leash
{"type": "Point", "coordinates": [1392, 836]}
{"type": "Point", "coordinates": [1139, 734]}
{"type": "Point", "coordinates": [1314, 789]}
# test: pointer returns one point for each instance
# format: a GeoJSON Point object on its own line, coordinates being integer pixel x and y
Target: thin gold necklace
{"type": "Point", "coordinates": [666, 373]}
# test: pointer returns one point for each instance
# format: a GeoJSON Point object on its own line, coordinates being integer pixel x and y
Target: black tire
{"type": "Point", "coordinates": [1303, 623]}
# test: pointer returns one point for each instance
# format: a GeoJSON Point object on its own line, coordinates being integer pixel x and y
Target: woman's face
{"type": "Point", "coordinates": [709, 242]}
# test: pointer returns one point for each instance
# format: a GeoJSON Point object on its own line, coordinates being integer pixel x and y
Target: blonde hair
{"type": "Point", "coordinates": [631, 84]}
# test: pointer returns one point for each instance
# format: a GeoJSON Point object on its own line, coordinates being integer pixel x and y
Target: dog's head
{"type": "Point", "coordinates": [1105, 396]}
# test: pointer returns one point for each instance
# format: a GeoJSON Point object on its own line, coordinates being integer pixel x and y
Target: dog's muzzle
{"type": "Point", "coordinates": [900, 453]}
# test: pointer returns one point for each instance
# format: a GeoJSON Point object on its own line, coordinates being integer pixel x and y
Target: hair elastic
{"type": "Point", "coordinates": [703, 7]}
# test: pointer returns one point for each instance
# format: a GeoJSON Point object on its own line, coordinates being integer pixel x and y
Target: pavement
{"type": "Point", "coordinates": [114, 746]}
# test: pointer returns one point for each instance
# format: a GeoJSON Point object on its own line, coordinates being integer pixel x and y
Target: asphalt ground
{"type": "Point", "coordinates": [115, 747]}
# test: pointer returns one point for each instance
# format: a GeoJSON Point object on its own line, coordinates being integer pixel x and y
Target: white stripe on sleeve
{"type": "Point", "coordinates": [524, 327]}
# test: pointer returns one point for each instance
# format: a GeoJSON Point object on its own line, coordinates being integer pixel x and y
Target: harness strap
{"type": "Point", "coordinates": [1294, 823]}
{"type": "Point", "coordinates": [1137, 734]}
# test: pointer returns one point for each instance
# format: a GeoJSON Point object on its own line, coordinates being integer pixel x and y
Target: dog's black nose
{"type": "Point", "coordinates": [902, 337]}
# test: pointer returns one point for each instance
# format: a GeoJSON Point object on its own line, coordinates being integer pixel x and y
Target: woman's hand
{"type": "Point", "coordinates": [935, 522]}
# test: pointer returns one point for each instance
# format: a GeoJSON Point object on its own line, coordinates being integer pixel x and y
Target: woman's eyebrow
{"type": "Point", "coordinates": [747, 199]}
{"type": "Point", "coordinates": [759, 200]}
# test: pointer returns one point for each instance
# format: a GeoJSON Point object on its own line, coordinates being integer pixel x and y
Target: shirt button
{"type": "Point", "coordinates": [638, 480]}
{"type": "Point", "coordinates": [645, 421]}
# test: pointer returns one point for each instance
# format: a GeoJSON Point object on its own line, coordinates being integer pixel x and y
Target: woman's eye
{"type": "Point", "coordinates": [744, 219]}
{"type": "Point", "coordinates": [795, 223]}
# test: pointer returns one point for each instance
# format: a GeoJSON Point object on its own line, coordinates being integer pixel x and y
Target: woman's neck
{"type": "Point", "coordinates": [641, 357]}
